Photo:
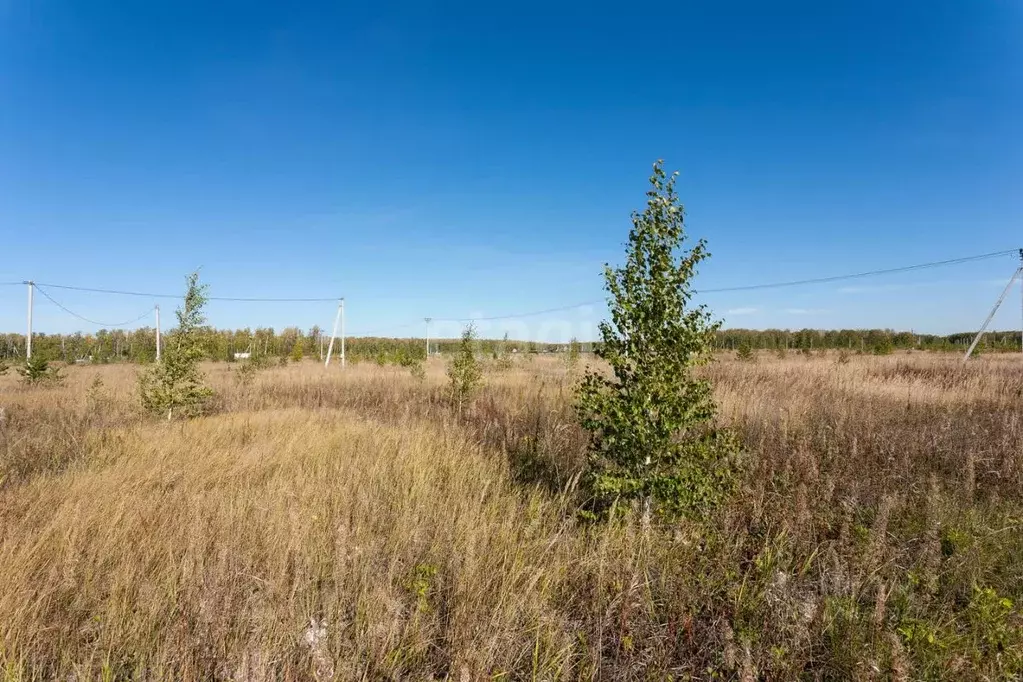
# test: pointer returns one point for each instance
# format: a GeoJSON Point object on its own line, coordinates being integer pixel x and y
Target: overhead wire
{"type": "Point", "coordinates": [119, 292]}
{"type": "Point", "coordinates": [752, 287]}
{"type": "Point", "coordinates": [869, 273]}
{"type": "Point", "coordinates": [86, 319]}
{"type": "Point", "coordinates": [380, 332]}
{"type": "Point", "coordinates": [518, 315]}
{"type": "Point", "coordinates": [749, 287]}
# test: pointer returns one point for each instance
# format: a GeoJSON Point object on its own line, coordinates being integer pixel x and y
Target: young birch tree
{"type": "Point", "coordinates": [651, 421]}
{"type": "Point", "coordinates": [176, 384]}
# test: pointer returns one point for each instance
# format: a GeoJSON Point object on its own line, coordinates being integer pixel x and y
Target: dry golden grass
{"type": "Point", "coordinates": [216, 544]}
{"type": "Point", "coordinates": [328, 525]}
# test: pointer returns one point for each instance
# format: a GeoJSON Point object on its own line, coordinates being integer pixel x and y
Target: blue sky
{"type": "Point", "coordinates": [480, 159]}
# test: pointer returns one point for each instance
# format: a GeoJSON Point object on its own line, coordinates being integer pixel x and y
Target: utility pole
{"type": "Point", "coordinates": [427, 320]}
{"type": "Point", "coordinates": [337, 319]}
{"type": "Point", "coordinates": [994, 309]}
{"type": "Point", "coordinates": [342, 333]}
{"type": "Point", "coordinates": [158, 333]}
{"type": "Point", "coordinates": [28, 338]}
{"type": "Point", "coordinates": [1021, 300]}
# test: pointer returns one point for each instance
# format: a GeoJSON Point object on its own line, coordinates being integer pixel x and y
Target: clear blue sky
{"type": "Point", "coordinates": [478, 159]}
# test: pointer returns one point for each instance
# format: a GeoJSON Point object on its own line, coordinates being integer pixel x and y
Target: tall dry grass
{"type": "Point", "coordinates": [354, 526]}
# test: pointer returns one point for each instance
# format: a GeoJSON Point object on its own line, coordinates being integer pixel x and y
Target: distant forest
{"type": "Point", "coordinates": [292, 343]}
{"type": "Point", "coordinates": [866, 340]}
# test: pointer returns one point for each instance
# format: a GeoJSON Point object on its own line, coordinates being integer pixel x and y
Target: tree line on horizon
{"type": "Point", "coordinates": [877, 341]}
{"type": "Point", "coordinates": [139, 345]}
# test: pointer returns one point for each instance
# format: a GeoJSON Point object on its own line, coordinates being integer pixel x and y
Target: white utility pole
{"type": "Point", "coordinates": [158, 333]}
{"type": "Point", "coordinates": [28, 337]}
{"type": "Point", "coordinates": [337, 319]}
{"type": "Point", "coordinates": [427, 320]}
{"type": "Point", "coordinates": [342, 333]}
{"type": "Point", "coordinates": [983, 327]}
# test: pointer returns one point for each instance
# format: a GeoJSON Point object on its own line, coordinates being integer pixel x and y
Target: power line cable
{"type": "Point", "coordinates": [379, 332]}
{"type": "Point", "coordinates": [518, 315]}
{"type": "Point", "coordinates": [119, 292]}
{"type": "Point", "coordinates": [870, 273]}
{"type": "Point", "coordinates": [86, 319]}
{"type": "Point", "coordinates": [752, 287]}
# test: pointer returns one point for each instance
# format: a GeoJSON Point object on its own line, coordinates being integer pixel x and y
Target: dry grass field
{"type": "Point", "coordinates": [353, 526]}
